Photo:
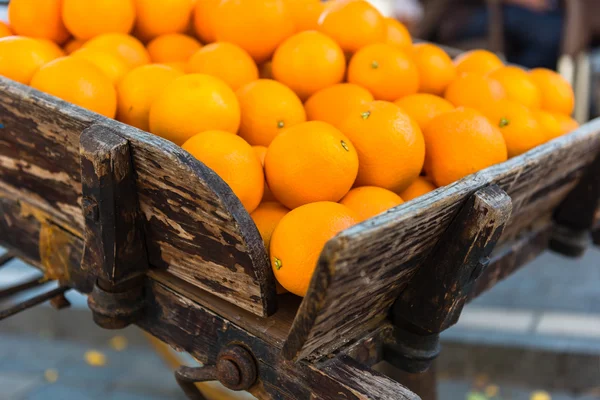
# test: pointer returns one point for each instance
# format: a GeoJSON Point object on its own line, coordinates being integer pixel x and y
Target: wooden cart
{"type": "Point", "coordinates": [158, 240]}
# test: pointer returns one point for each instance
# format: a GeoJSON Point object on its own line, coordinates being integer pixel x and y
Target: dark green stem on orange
{"type": "Point", "coordinates": [374, 64]}
{"type": "Point", "coordinates": [278, 263]}
{"type": "Point", "coordinates": [344, 145]}
{"type": "Point", "coordinates": [503, 122]}
{"type": "Point", "coordinates": [366, 114]}
{"type": "Point", "coordinates": [280, 124]}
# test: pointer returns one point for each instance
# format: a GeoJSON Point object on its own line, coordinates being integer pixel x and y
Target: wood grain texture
{"type": "Point", "coordinates": [365, 268]}
{"type": "Point", "coordinates": [196, 227]}
{"type": "Point", "coordinates": [114, 242]}
{"type": "Point", "coordinates": [434, 298]}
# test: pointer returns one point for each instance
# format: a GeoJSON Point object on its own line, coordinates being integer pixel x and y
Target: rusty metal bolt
{"type": "Point", "coordinates": [236, 368]}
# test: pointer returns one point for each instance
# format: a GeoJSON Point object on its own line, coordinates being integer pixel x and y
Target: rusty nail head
{"type": "Point", "coordinates": [236, 368]}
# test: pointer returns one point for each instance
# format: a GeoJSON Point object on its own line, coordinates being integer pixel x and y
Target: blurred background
{"type": "Point", "coordinates": [534, 336]}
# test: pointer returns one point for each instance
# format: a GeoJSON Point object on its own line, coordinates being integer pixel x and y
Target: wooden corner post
{"type": "Point", "coordinates": [114, 248]}
{"type": "Point", "coordinates": [435, 296]}
{"type": "Point", "coordinates": [574, 218]}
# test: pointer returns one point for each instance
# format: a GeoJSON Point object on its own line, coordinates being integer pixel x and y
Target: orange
{"type": "Point", "coordinates": [266, 217]}
{"type": "Point", "coordinates": [353, 24]}
{"type": "Point", "coordinates": [53, 50]}
{"type": "Point", "coordinates": [424, 107]}
{"type": "Point", "coordinates": [112, 66]}
{"type": "Point", "coordinates": [159, 17]}
{"type": "Point", "coordinates": [79, 82]}
{"type": "Point", "coordinates": [369, 201]}
{"type": "Point", "coordinates": [172, 47]}
{"type": "Point", "coordinates": [390, 146]}
{"type": "Point", "coordinates": [385, 71]}
{"type": "Point", "coordinates": [191, 104]}
{"type": "Point", "coordinates": [418, 188]}
{"type": "Point", "coordinates": [128, 48]}
{"type": "Point", "coordinates": [268, 107]}
{"type": "Point", "coordinates": [299, 239]}
{"type": "Point", "coordinates": [21, 57]}
{"type": "Point", "coordinates": [89, 18]}
{"type": "Point", "coordinates": [517, 124]}
{"type": "Point", "coordinates": [233, 160]}
{"type": "Point", "coordinates": [204, 16]}
{"type": "Point", "coordinates": [548, 123]}
{"type": "Point", "coordinates": [397, 34]}
{"type": "Point", "coordinates": [73, 45]}
{"type": "Point", "coordinates": [557, 93]}
{"type": "Point", "coordinates": [261, 153]}
{"type": "Point", "coordinates": [308, 62]}
{"type": "Point", "coordinates": [333, 103]}
{"type": "Point", "coordinates": [179, 66]}
{"type": "Point", "coordinates": [478, 62]}
{"type": "Point", "coordinates": [5, 30]}
{"type": "Point", "coordinates": [518, 85]}
{"type": "Point", "coordinates": [306, 13]}
{"type": "Point", "coordinates": [137, 91]}
{"type": "Point", "coordinates": [38, 19]}
{"type": "Point", "coordinates": [567, 124]}
{"type": "Point", "coordinates": [226, 61]}
{"type": "Point", "coordinates": [461, 142]}
{"type": "Point", "coordinates": [476, 91]}
{"type": "Point", "coordinates": [309, 162]}
{"type": "Point", "coordinates": [257, 26]}
{"type": "Point", "coordinates": [436, 69]}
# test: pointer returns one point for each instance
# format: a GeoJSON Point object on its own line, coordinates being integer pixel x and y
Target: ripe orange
{"type": "Point", "coordinates": [390, 145]}
{"type": "Point", "coordinates": [191, 104]}
{"type": "Point", "coordinates": [268, 107]}
{"type": "Point", "coordinates": [53, 50]}
{"type": "Point", "coordinates": [89, 18]}
{"type": "Point", "coordinates": [266, 217]}
{"type": "Point", "coordinates": [204, 16]}
{"type": "Point", "coordinates": [476, 91]}
{"type": "Point", "coordinates": [128, 48]}
{"type": "Point", "coordinates": [424, 107]}
{"type": "Point", "coordinates": [418, 188]}
{"type": "Point", "coordinates": [436, 69]}
{"type": "Point", "coordinates": [261, 153]}
{"type": "Point", "coordinates": [172, 47]}
{"type": "Point", "coordinates": [38, 19]}
{"type": "Point", "coordinates": [518, 85]}
{"type": "Point", "coordinates": [233, 160]}
{"type": "Point", "coordinates": [477, 62]}
{"type": "Point", "coordinates": [369, 201]}
{"type": "Point", "coordinates": [385, 71]}
{"type": "Point", "coordinates": [79, 82]}
{"type": "Point", "coordinates": [333, 103]}
{"type": "Point", "coordinates": [308, 62]}
{"type": "Point", "coordinates": [397, 34]}
{"type": "Point", "coordinates": [548, 123]}
{"type": "Point", "coordinates": [557, 94]}
{"type": "Point", "coordinates": [353, 24]}
{"type": "Point", "coordinates": [567, 124]}
{"type": "Point", "coordinates": [461, 142]}
{"type": "Point", "coordinates": [21, 57]}
{"type": "Point", "coordinates": [137, 91]}
{"type": "Point", "coordinates": [226, 61]}
{"type": "Point", "coordinates": [73, 45]}
{"type": "Point", "coordinates": [257, 26]}
{"type": "Point", "coordinates": [179, 66]}
{"type": "Point", "coordinates": [306, 13]}
{"type": "Point", "coordinates": [299, 238]}
{"type": "Point", "coordinates": [518, 125]}
{"type": "Point", "coordinates": [158, 17]}
{"type": "Point", "coordinates": [5, 30]}
{"type": "Point", "coordinates": [309, 162]}
{"type": "Point", "coordinates": [112, 66]}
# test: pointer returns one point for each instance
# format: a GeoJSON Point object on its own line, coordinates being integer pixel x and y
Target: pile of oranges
{"type": "Point", "coordinates": [318, 115]}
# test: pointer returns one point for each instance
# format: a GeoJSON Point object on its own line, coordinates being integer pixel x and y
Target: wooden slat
{"type": "Point", "coordinates": [196, 227]}
{"type": "Point", "coordinates": [363, 270]}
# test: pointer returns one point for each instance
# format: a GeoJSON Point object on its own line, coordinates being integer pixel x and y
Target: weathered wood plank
{"type": "Point", "coordinates": [364, 269]}
{"type": "Point", "coordinates": [196, 227]}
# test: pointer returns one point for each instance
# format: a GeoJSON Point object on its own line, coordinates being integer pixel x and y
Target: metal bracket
{"type": "Point", "coordinates": [435, 296]}
{"type": "Point", "coordinates": [235, 369]}
{"type": "Point", "coordinates": [115, 248]}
